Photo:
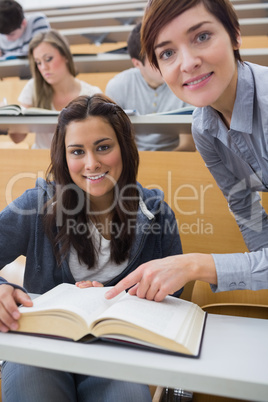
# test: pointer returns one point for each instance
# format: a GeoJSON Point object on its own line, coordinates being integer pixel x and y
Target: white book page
{"type": "Point", "coordinates": [170, 318]}
{"type": "Point", "coordinates": [39, 111]}
{"type": "Point", "coordinates": [87, 302]}
{"type": "Point", "coordinates": [10, 109]}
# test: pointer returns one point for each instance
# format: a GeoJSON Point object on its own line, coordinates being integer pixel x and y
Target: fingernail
{"type": "Point", "coordinates": [16, 315]}
{"type": "Point", "coordinates": [14, 326]}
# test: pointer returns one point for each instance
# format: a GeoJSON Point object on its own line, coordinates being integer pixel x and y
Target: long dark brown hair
{"type": "Point", "coordinates": [160, 12]}
{"type": "Point", "coordinates": [70, 202]}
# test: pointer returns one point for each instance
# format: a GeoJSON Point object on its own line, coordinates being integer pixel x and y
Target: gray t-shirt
{"type": "Point", "coordinates": [130, 91]}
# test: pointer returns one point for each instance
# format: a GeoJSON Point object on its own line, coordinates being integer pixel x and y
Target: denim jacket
{"type": "Point", "coordinates": [22, 233]}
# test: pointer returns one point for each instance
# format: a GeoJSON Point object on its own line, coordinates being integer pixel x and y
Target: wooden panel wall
{"type": "Point", "coordinates": [205, 223]}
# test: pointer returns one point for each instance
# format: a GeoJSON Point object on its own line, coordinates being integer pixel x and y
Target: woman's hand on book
{"type": "Point", "coordinates": [88, 284]}
{"type": "Point", "coordinates": [9, 313]}
{"type": "Point", "coordinates": [156, 279]}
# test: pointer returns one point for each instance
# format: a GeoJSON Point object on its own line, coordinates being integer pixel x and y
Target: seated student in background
{"type": "Point", "coordinates": [17, 29]}
{"type": "Point", "coordinates": [53, 84]}
{"type": "Point", "coordinates": [94, 223]}
{"type": "Point", "coordinates": [195, 45]}
{"type": "Point", "coordinates": [143, 89]}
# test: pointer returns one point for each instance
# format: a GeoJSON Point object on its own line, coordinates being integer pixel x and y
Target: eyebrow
{"type": "Point", "coordinates": [94, 143]}
{"type": "Point", "coordinates": [190, 30]}
{"type": "Point", "coordinates": [43, 56]}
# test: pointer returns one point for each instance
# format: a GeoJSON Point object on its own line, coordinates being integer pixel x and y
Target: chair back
{"type": "Point", "coordinates": [244, 303]}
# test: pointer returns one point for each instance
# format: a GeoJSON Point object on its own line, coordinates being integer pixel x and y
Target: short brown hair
{"type": "Point", "coordinates": [11, 16]}
{"type": "Point", "coordinates": [159, 13]}
{"type": "Point", "coordinates": [134, 44]}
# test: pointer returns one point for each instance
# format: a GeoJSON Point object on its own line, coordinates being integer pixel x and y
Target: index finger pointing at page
{"type": "Point", "coordinates": [124, 284]}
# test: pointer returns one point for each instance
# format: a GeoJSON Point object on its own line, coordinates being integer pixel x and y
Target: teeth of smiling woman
{"type": "Point", "coordinates": [96, 177]}
{"type": "Point", "coordinates": [197, 81]}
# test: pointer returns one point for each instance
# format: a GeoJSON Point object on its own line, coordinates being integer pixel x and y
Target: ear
{"type": "Point", "coordinates": [24, 23]}
{"type": "Point", "coordinates": [136, 63]}
{"type": "Point", "coordinates": [239, 42]}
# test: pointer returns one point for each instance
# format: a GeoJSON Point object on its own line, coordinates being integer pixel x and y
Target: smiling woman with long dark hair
{"type": "Point", "coordinates": [88, 223]}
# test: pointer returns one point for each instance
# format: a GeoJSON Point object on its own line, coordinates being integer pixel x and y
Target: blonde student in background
{"type": "Point", "coordinates": [88, 222]}
{"type": "Point", "coordinates": [195, 45]}
{"type": "Point", "coordinates": [54, 83]}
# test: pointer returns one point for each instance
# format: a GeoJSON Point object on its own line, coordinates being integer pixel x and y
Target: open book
{"type": "Point", "coordinates": [131, 112]}
{"type": "Point", "coordinates": [182, 110]}
{"type": "Point", "coordinates": [67, 311]}
{"type": "Point", "coordinates": [17, 110]}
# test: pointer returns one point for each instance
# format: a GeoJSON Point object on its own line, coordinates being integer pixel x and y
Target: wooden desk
{"type": "Point", "coordinates": [249, 27]}
{"type": "Point", "coordinates": [255, 10]}
{"type": "Point", "coordinates": [96, 9]}
{"type": "Point", "coordinates": [54, 5]}
{"type": "Point", "coordinates": [258, 56]}
{"type": "Point", "coordinates": [118, 17]}
{"type": "Point", "coordinates": [253, 26]}
{"type": "Point", "coordinates": [51, 5]}
{"type": "Point", "coordinates": [142, 124]}
{"type": "Point", "coordinates": [97, 35]}
{"type": "Point", "coordinates": [110, 62]}
{"type": "Point", "coordinates": [102, 62]}
{"type": "Point", "coordinates": [96, 20]}
{"type": "Point", "coordinates": [233, 360]}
